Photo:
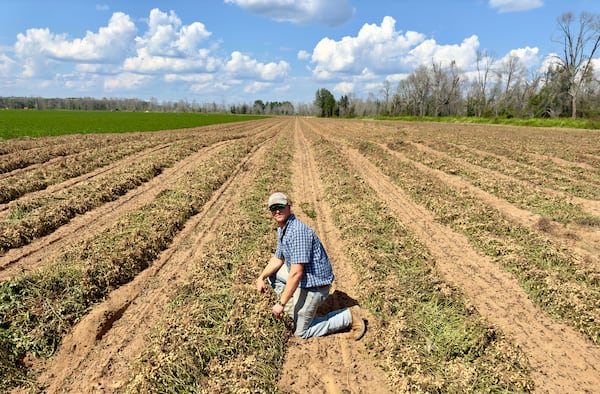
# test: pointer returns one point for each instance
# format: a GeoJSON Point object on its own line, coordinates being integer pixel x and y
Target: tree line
{"type": "Point", "coordinates": [567, 87]}
{"type": "Point", "coordinates": [107, 104]}
{"type": "Point", "coordinates": [137, 105]}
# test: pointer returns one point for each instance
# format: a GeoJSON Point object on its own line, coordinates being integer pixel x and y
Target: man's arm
{"type": "Point", "coordinates": [293, 280]}
{"type": "Point", "coordinates": [272, 267]}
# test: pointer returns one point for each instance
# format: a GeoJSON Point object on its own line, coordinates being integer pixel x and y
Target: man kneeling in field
{"type": "Point", "coordinates": [300, 273]}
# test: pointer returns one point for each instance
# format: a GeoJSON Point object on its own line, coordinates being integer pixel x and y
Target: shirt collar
{"type": "Point", "coordinates": [290, 219]}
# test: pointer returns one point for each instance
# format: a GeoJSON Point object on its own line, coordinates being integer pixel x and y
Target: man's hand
{"type": "Point", "coordinates": [277, 310]}
{"type": "Point", "coordinates": [271, 269]}
{"type": "Point", "coordinates": [261, 286]}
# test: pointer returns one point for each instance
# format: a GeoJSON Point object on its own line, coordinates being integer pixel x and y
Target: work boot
{"type": "Point", "coordinates": [359, 327]}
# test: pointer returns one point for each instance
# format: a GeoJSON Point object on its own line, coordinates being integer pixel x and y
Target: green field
{"type": "Point", "coordinates": [578, 123]}
{"type": "Point", "coordinates": [21, 123]}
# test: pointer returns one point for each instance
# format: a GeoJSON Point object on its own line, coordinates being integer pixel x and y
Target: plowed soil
{"type": "Point", "coordinates": [97, 355]}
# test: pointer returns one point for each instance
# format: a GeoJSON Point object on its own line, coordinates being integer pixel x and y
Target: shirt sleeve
{"type": "Point", "coordinates": [301, 248]}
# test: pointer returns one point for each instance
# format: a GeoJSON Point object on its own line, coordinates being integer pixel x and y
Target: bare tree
{"type": "Point", "coordinates": [419, 84]}
{"type": "Point", "coordinates": [439, 89]}
{"type": "Point", "coordinates": [446, 85]}
{"type": "Point", "coordinates": [529, 88]}
{"type": "Point", "coordinates": [385, 91]}
{"type": "Point", "coordinates": [401, 98]}
{"type": "Point", "coordinates": [511, 76]}
{"type": "Point", "coordinates": [579, 48]}
{"type": "Point", "coordinates": [485, 60]}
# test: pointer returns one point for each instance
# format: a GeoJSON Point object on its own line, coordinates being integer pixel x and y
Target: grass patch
{"type": "Point", "coordinates": [578, 123]}
{"type": "Point", "coordinates": [308, 210]}
{"type": "Point", "coordinates": [20, 123]}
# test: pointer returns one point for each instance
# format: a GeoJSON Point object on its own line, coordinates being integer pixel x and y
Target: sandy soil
{"type": "Point", "coordinates": [563, 361]}
{"type": "Point", "coordinates": [337, 363]}
{"type": "Point", "coordinates": [97, 355]}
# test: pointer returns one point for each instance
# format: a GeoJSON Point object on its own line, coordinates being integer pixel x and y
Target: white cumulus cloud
{"type": "Point", "coordinates": [303, 55]}
{"type": "Point", "coordinates": [40, 50]}
{"type": "Point", "coordinates": [242, 66]}
{"type": "Point", "coordinates": [111, 43]}
{"type": "Point", "coordinates": [30, 51]}
{"type": "Point", "coordinates": [375, 47]}
{"type": "Point", "coordinates": [124, 81]}
{"type": "Point", "coordinates": [382, 49]}
{"type": "Point", "coordinates": [344, 87]}
{"type": "Point", "coordinates": [169, 46]}
{"type": "Point", "coordinates": [147, 63]}
{"type": "Point", "coordinates": [515, 5]}
{"type": "Point", "coordinates": [257, 87]}
{"type": "Point", "coordinates": [6, 65]}
{"type": "Point", "coordinates": [529, 57]}
{"type": "Point", "coordinates": [167, 36]}
{"type": "Point", "coordinates": [327, 12]}
{"type": "Point", "coordinates": [118, 59]}
{"type": "Point", "coordinates": [464, 54]}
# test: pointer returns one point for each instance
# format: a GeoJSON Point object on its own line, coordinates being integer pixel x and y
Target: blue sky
{"type": "Point", "coordinates": [236, 51]}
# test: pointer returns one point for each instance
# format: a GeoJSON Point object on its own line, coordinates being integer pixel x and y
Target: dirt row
{"type": "Point", "coordinates": [98, 355]}
{"type": "Point", "coordinates": [584, 239]}
{"type": "Point", "coordinates": [24, 259]}
{"type": "Point", "coordinates": [335, 364]}
{"type": "Point", "coordinates": [89, 335]}
{"type": "Point", "coordinates": [555, 350]}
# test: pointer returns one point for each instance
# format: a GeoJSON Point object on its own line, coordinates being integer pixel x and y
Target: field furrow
{"type": "Point", "coordinates": [124, 322]}
{"type": "Point", "coordinates": [38, 177]}
{"type": "Point", "coordinates": [41, 150]}
{"type": "Point", "coordinates": [38, 215]}
{"type": "Point", "coordinates": [216, 335]}
{"type": "Point", "coordinates": [29, 257]}
{"type": "Point", "coordinates": [580, 183]}
{"type": "Point", "coordinates": [328, 373]}
{"type": "Point", "coordinates": [585, 240]}
{"type": "Point", "coordinates": [556, 203]}
{"type": "Point", "coordinates": [550, 347]}
{"type": "Point", "coordinates": [67, 284]}
{"type": "Point", "coordinates": [546, 270]}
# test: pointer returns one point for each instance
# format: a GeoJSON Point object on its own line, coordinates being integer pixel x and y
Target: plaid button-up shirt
{"type": "Point", "coordinates": [297, 243]}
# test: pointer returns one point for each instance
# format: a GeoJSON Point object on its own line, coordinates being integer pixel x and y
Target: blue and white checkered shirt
{"type": "Point", "coordinates": [297, 243]}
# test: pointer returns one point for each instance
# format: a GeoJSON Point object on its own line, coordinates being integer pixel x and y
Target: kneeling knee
{"type": "Point", "coordinates": [302, 334]}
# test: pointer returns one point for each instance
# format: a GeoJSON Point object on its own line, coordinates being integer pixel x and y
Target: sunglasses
{"type": "Point", "coordinates": [277, 207]}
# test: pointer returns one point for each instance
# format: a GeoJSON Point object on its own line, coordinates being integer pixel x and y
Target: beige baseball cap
{"type": "Point", "coordinates": [278, 198]}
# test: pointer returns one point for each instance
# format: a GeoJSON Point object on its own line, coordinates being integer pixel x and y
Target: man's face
{"type": "Point", "coordinates": [280, 213]}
